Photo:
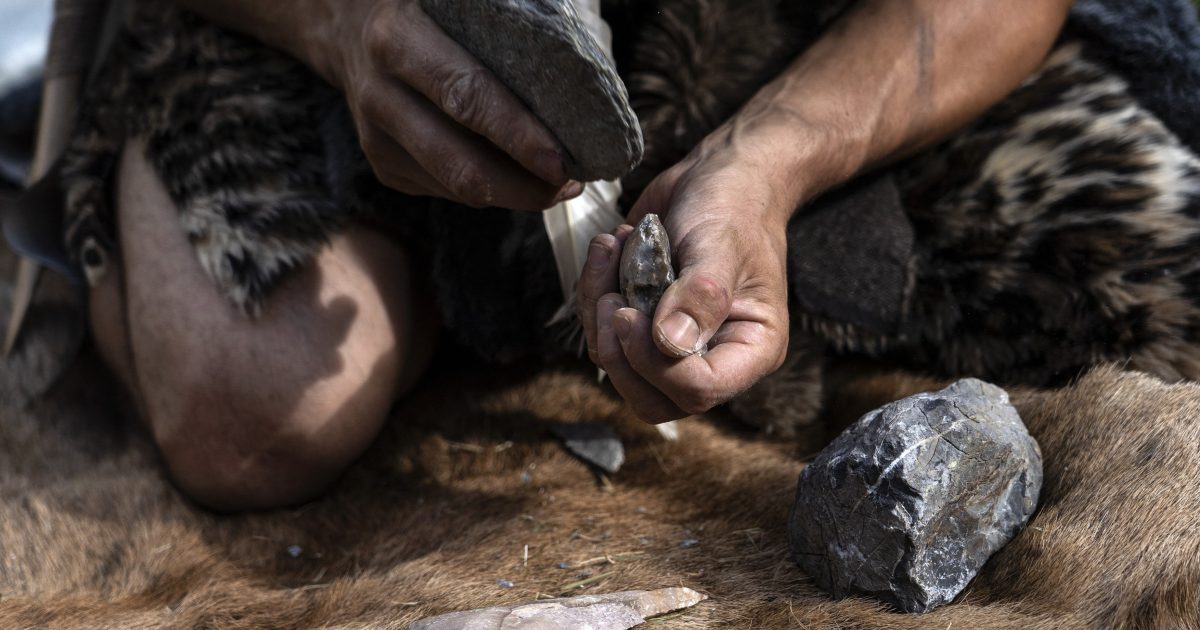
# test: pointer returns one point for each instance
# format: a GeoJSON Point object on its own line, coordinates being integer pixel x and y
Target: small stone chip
{"type": "Point", "coordinates": [646, 269]}
{"type": "Point", "coordinates": [613, 611]}
{"type": "Point", "coordinates": [595, 443]}
{"type": "Point", "coordinates": [909, 502]}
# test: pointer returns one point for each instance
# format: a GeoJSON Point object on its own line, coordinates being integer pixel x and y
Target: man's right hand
{"type": "Point", "coordinates": [434, 121]}
{"type": "Point", "coordinates": [431, 118]}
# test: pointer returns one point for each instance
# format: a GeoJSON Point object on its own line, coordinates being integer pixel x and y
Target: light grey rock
{"type": "Point", "coordinates": [646, 269]}
{"type": "Point", "coordinates": [614, 611]}
{"type": "Point", "coordinates": [593, 442]}
{"type": "Point", "coordinates": [909, 502]}
{"type": "Point", "coordinates": [543, 52]}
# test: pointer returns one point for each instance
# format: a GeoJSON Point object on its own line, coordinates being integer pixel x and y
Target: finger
{"type": "Point", "coordinates": [743, 354]}
{"type": "Point", "coordinates": [417, 50]}
{"type": "Point", "coordinates": [648, 403]}
{"type": "Point", "coordinates": [471, 169]}
{"type": "Point", "coordinates": [600, 276]}
{"type": "Point", "coordinates": [395, 168]}
{"type": "Point", "coordinates": [694, 306]}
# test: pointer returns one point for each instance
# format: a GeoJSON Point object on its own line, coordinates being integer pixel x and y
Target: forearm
{"type": "Point", "coordinates": [890, 77]}
{"type": "Point", "coordinates": [301, 28]}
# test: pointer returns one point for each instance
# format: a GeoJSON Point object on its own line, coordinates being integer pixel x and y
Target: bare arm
{"type": "Point", "coordinates": [890, 77]}
{"type": "Point", "coordinates": [431, 119]}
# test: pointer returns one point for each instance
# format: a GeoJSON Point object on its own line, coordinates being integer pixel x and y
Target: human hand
{"type": "Point", "coordinates": [726, 224]}
{"type": "Point", "coordinates": [431, 119]}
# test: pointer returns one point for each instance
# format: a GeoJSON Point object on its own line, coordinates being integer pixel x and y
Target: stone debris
{"type": "Point", "coordinates": [668, 430]}
{"type": "Point", "coordinates": [613, 611]}
{"type": "Point", "coordinates": [646, 269]}
{"type": "Point", "coordinates": [909, 502]}
{"type": "Point", "coordinates": [544, 53]}
{"type": "Point", "coordinates": [593, 442]}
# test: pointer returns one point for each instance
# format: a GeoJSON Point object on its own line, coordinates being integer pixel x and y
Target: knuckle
{"type": "Point", "coordinates": [586, 301]}
{"type": "Point", "coordinates": [462, 94]}
{"type": "Point", "coordinates": [370, 103]}
{"type": "Point", "coordinates": [694, 402]}
{"type": "Point", "coordinates": [609, 354]}
{"type": "Point", "coordinates": [465, 180]}
{"type": "Point", "coordinates": [708, 290]}
{"type": "Point", "coordinates": [605, 243]}
{"type": "Point", "coordinates": [380, 40]}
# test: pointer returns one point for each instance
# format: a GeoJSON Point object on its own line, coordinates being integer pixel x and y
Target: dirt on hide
{"type": "Point", "coordinates": [468, 474]}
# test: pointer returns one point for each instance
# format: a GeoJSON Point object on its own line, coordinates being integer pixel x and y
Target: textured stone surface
{"type": "Point", "coordinates": [646, 269]}
{"type": "Point", "coordinates": [542, 51]}
{"type": "Point", "coordinates": [593, 442]}
{"type": "Point", "coordinates": [909, 502]}
{"type": "Point", "coordinates": [614, 611]}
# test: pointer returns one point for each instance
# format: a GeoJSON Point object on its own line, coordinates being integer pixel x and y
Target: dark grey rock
{"type": "Point", "coordinates": [593, 442]}
{"type": "Point", "coordinates": [646, 269]}
{"type": "Point", "coordinates": [909, 502]}
{"type": "Point", "coordinates": [542, 51]}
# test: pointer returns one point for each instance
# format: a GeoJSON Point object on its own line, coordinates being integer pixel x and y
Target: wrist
{"type": "Point", "coordinates": [799, 158]}
{"type": "Point", "coordinates": [314, 35]}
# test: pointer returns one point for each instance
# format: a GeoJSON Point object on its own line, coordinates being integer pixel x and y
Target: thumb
{"type": "Point", "coordinates": [691, 310]}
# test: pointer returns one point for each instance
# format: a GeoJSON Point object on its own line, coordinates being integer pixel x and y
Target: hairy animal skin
{"type": "Point", "coordinates": [468, 473]}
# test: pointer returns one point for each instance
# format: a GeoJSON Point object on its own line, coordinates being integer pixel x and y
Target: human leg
{"type": "Point", "coordinates": [264, 411]}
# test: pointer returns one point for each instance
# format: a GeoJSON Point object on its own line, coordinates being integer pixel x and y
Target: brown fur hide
{"type": "Point", "coordinates": [467, 474]}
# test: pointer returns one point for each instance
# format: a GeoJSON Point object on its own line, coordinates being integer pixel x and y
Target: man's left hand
{"type": "Point", "coordinates": [726, 227]}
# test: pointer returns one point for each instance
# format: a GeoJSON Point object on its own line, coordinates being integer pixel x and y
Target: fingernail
{"type": "Point", "coordinates": [552, 166]}
{"type": "Point", "coordinates": [570, 191]}
{"type": "Point", "coordinates": [622, 325]}
{"type": "Point", "coordinates": [680, 332]}
{"type": "Point", "coordinates": [598, 256]}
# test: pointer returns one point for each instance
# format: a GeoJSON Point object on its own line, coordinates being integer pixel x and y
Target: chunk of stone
{"type": "Point", "coordinates": [646, 269]}
{"type": "Point", "coordinates": [593, 442]}
{"type": "Point", "coordinates": [543, 52]}
{"type": "Point", "coordinates": [614, 611]}
{"type": "Point", "coordinates": [909, 502]}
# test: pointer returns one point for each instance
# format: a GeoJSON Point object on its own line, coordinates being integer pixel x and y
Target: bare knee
{"type": "Point", "coordinates": [265, 411]}
{"type": "Point", "coordinates": [233, 446]}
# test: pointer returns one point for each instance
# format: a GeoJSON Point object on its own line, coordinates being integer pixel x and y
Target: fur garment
{"type": "Point", "coordinates": [1051, 235]}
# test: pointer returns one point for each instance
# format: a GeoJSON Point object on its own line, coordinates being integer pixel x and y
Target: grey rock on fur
{"type": "Point", "coordinates": [910, 501]}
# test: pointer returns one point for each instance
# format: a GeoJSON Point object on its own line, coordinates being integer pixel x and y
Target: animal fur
{"type": "Point", "coordinates": [231, 128]}
{"type": "Point", "coordinates": [467, 473]}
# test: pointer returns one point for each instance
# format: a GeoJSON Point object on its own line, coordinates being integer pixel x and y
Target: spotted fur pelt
{"type": "Point", "coordinates": [1055, 233]}
{"type": "Point", "coordinates": [1058, 232]}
